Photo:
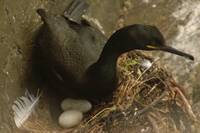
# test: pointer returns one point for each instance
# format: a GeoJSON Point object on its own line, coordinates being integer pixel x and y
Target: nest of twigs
{"type": "Point", "coordinates": [147, 100]}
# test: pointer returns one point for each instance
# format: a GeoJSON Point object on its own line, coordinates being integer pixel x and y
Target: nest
{"type": "Point", "coordinates": [147, 100]}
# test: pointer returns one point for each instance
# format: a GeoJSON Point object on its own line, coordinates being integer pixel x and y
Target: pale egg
{"type": "Point", "coordinates": [74, 104]}
{"type": "Point", "coordinates": [70, 118]}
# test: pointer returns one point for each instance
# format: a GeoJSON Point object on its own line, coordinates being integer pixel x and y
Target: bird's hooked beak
{"type": "Point", "coordinates": [171, 50]}
{"type": "Point", "coordinates": [175, 51]}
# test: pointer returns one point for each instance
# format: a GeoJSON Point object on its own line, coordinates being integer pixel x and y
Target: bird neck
{"type": "Point", "coordinates": [104, 70]}
{"type": "Point", "coordinates": [105, 67]}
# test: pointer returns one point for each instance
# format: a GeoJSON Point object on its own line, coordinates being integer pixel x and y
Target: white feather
{"type": "Point", "coordinates": [23, 107]}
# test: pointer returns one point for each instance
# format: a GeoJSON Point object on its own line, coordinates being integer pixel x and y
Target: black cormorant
{"type": "Point", "coordinates": [84, 61]}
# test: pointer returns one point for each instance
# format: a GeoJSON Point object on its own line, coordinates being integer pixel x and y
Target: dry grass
{"type": "Point", "coordinates": [147, 100]}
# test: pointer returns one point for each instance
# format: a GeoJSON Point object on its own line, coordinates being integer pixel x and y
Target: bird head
{"type": "Point", "coordinates": [145, 37]}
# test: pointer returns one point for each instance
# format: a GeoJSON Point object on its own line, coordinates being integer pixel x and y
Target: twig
{"type": "Point", "coordinates": [154, 124]}
{"type": "Point", "coordinates": [150, 106]}
{"type": "Point", "coordinates": [100, 112]}
{"type": "Point", "coordinates": [178, 89]}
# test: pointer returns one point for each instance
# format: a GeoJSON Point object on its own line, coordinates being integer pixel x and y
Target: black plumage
{"type": "Point", "coordinates": [84, 61]}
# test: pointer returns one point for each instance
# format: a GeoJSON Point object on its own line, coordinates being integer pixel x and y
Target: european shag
{"type": "Point", "coordinates": [83, 60]}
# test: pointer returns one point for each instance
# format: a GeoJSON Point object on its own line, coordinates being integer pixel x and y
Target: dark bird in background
{"type": "Point", "coordinates": [82, 59]}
